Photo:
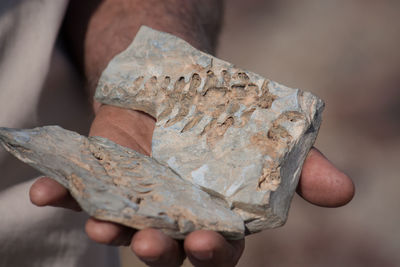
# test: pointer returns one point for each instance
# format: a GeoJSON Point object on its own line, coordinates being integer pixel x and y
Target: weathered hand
{"type": "Point", "coordinates": [321, 183]}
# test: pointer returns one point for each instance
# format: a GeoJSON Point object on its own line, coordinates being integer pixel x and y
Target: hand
{"type": "Point", "coordinates": [321, 183]}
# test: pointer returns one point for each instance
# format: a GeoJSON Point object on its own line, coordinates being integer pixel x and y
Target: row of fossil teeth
{"type": "Point", "coordinates": [201, 81]}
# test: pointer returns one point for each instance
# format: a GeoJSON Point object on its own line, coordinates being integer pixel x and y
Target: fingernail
{"type": "Point", "coordinates": [202, 255]}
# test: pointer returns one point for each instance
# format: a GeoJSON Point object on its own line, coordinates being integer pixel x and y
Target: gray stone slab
{"type": "Point", "coordinates": [115, 183]}
{"type": "Point", "coordinates": [237, 135]}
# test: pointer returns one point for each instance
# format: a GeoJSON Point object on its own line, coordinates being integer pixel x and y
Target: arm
{"type": "Point", "coordinates": [97, 31]}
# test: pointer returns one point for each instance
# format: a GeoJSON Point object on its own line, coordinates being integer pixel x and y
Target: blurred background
{"type": "Point", "coordinates": [346, 52]}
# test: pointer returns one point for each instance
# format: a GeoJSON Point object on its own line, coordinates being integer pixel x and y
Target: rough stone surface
{"type": "Point", "coordinates": [117, 184]}
{"type": "Point", "coordinates": [238, 136]}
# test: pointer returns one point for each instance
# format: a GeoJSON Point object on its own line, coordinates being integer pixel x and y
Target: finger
{"type": "Point", "coordinates": [322, 184]}
{"type": "Point", "coordinates": [157, 249]}
{"type": "Point", "coordinates": [108, 233]}
{"type": "Point", "coordinates": [47, 192]}
{"type": "Point", "coordinates": [208, 248]}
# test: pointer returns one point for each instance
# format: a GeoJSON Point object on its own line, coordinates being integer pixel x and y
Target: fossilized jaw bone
{"type": "Point", "coordinates": [234, 133]}
{"type": "Point", "coordinates": [117, 184]}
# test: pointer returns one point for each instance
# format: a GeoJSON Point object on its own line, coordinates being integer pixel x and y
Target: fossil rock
{"type": "Point", "coordinates": [237, 135]}
{"type": "Point", "coordinates": [117, 184]}
{"type": "Point", "coordinates": [227, 149]}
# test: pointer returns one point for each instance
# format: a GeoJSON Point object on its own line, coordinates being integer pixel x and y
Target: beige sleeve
{"type": "Point", "coordinates": [38, 86]}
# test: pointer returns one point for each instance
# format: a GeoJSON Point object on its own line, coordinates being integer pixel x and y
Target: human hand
{"type": "Point", "coordinates": [321, 183]}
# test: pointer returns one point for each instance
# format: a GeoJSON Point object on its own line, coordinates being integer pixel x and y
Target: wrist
{"type": "Point", "coordinates": [113, 25]}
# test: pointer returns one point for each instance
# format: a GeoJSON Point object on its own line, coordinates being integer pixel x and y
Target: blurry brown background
{"type": "Point", "coordinates": [346, 52]}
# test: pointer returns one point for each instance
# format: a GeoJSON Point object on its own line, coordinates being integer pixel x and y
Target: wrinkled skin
{"type": "Point", "coordinates": [321, 183]}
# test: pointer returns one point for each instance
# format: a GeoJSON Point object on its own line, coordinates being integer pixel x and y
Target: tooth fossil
{"type": "Point", "coordinates": [227, 149]}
